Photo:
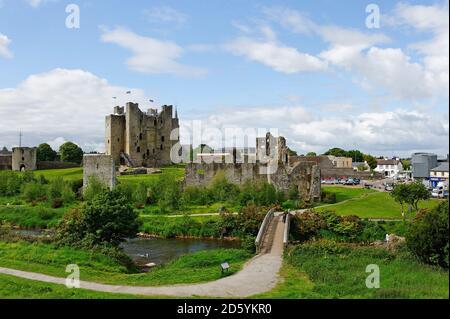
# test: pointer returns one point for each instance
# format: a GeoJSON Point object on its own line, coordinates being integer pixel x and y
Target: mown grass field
{"type": "Point", "coordinates": [311, 273]}
{"type": "Point", "coordinates": [201, 266]}
{"type": "Point", "coordinates": [373, 205]}
{"type": "Point", "coordinates": [77, 173]}
{"type": "Point", "coordinates": [18, 288]}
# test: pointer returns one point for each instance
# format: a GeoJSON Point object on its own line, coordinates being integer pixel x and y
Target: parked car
{"type": "Point", "coordinates": [441, 191]}
{"type": "Point", "coordinates": [368, 186]}
{"type": "Point", "coordinates": [389, 187]}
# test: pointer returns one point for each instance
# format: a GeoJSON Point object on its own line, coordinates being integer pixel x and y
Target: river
{"type": "Point", "coordinates": [157, 250]}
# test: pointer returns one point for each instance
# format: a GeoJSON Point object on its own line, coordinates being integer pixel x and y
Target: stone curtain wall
{"type": "Point", "coordinates": [306, 175]}
{"type": "Point", "coordinates": [101, 167]}
{"type": "Point", "coordinates": [5, 162]}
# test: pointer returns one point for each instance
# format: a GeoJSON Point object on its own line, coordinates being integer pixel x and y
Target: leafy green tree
{"type": "Point", "coordinates": [336, 151]}
{"type": "Point", "coordinates": [107, 219]}
{"type": "Point", "coordinates": [292, 152]}
{"type": "Point", "coordinates": [406, 164]}
{"type": "Point", "coordinates": [311, 154]}
{"type": "Point", "coordinates": [357, 156]}
{"type": "Point", "coordinates": [71, 152]}
{"type": "Point", "coordinates": [371, 161]}
{"type": "Point", "coordinates": [45, 153]}
{"type": "Point", "coordinates": [410, 194]}
{"type": "Point", "coordinates": [427, 237]}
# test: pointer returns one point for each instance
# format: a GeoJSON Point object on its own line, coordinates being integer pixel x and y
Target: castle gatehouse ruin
{"type": "Point", "coordinates": [141, 139]}
{"type": "Point", "coordinates": [270, 164]}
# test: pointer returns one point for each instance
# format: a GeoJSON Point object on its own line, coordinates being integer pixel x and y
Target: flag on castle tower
{"type": "Point", "coordinates": [128, 92]}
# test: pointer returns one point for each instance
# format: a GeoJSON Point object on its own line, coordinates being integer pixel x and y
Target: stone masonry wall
{"type": "Point", "coordinates": [23, 158]}
{"type": "Point", "coordinates": [101, 167]}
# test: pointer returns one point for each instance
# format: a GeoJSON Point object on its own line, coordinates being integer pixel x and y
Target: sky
{"type": "Point", "coordinates": [321, 73]}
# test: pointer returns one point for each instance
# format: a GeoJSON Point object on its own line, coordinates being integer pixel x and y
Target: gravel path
{"type": "Point", "coordinates": [258, 275]}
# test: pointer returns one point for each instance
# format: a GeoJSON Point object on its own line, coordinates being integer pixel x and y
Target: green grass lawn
{"type": "Point", "coordinates": [201, 266]}
{"type": "Point", "coordinates": [345, 193]}
{"type": "Point", "coordinates": [69, 174]}
{"type": "Point", "coordinates": [17, 288]}
{"type": "Point", "coordinates": [320, 273]}
{"type": "Point", "coordinates": [373, 205]}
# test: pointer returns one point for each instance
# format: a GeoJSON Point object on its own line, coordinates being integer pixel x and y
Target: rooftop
{"type": "Point", "coordinates": [441, 168]}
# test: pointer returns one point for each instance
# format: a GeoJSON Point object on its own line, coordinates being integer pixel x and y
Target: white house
{"type": "Point", "coordinates": [439, 174]}
{"type": "Point", "coordinates": [390, 168]}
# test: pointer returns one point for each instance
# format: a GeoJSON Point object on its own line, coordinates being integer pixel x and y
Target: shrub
{"type": "Point", "coordinates": [10, 183]}
{"type": "Point", "coordinates": [371, 231]}
{"type": "Point", "coordinates": [107, 219]}
{"type": "Point", "coordinates": [67, 194]}
{"type": "Point", "coordinates": [95, 187]}
{"type": "Point", "coordinates": [140, 196]}
{"type": "Point", "coordinates": [293, 193]}
{"type": "Point", "coordinates": [248, 243]}
{"type": "Point", "coordinates": [76, 185]}
{"type": "Point", "coordinates": [307, 225]}
{"type": "Point", "coordinates": [55, 188]}
{"type": "Point", "coordinates": [328, 197]}
{"type": "Point", "coordinates": [428, 235]}
{"type": "Point", "coordinates": [34, 192]}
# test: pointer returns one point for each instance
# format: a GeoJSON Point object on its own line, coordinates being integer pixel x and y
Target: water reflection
{"type": "Point", "coordinates": [160, 251]}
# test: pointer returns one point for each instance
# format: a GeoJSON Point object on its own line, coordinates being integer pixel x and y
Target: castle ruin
{"type": "Point", "coordinates": [141, 139]}
{"type": "Point", "coordinates": [272, 166]}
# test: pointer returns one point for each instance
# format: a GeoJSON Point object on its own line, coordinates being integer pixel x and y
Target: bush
{"type": "Point", "coordinates": [76, 185]}
{"type": "Point", "coordinates": [248, 243]}
{"type": "Point", "coordinates": [107, 219]}
{"type": "Point", "coordinates": [34, 192]}
{"type": "Point", "coordinates": [328, 197]}
{"type": "Point", "coordinates": [307, 225]}
{"type": "Point", "coordinates": [140, 196]}
{"type": "Point", "coordinates": [428, 235]}
{"type": "Point", "coordinates": [95, 187]}
{"type": "Point", "coordinates": [10, 183]}
{"type": "Point", "coordinates": [371, 232]}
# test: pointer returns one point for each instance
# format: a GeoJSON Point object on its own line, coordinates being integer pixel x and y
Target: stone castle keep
{"type": "Point", "coordinates": [139, 139]}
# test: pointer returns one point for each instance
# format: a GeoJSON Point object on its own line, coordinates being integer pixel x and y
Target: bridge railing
{"type": "Point", "coordinates": [262, 230]}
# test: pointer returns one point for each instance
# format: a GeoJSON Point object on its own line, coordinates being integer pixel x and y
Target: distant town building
{"type": "Point", "coordinates": [341, 162]}
{"type": "Point", "coordinates": [361, 166]}
{"type": "Point", "coordinates": [422, 164]}
{"type": "Point", "coordinates": [439, 174]}
{"type": "Point", "coordinates": [390, 168]}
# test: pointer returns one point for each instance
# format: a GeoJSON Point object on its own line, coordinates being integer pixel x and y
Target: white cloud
{"type": "Point", "coordinates": [37, 3]}
{"type": "Point", "coordinates": [270, 52]}
{"type": "Point", "coordinates": [401, 132]}
{"type": "Point", "coordinates": [4, 46]}
{"type": "Point", "coordinates": [165, 14]}
{"type": "Point", "coordinates": [151, 55]}
{"type": "Point", "coordinates": [60, 105]}
{"type": "Point", "coordinates": [390, 69]}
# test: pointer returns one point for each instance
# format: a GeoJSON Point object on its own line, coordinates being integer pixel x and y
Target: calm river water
{"type": "Point", "coordinates": [157, 250]}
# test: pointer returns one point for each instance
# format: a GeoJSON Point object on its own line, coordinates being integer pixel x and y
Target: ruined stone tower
{"type": "Point", "coordinates": [135, 138]}
{"type": "Point", "coordinates": [24, 159]}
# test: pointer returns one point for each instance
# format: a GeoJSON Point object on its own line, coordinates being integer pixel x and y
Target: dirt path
{"type": "Point", "coordinates": [258, 275]}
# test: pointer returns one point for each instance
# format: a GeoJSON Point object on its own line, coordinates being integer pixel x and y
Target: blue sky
{"type": "Point", "coordinates": [312, 70]}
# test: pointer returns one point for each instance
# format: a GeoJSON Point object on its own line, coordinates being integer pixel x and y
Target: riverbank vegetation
{"type": "Point", "coordinates": [332, 255]}
{"type": "Point", "coordinates": [50, 259]}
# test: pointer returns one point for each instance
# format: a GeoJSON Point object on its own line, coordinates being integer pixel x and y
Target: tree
{"type": "Point", "coordinates": [311, 154]}
{"type": "Point", "coordinates": [410, 194]}
{"type": "Point", "coordinates": [4, 149]}
{"type": "Point", "coordinates": [45, 153]}
{"type": "Point", "coordinates": [71, 152]}
{"type": "Point", "coordinates": [338, 152]}
{"type": "Point", "coordinates": [107, 219]}
{"type": "Point", "coordinates": [371, 161]}
{"type": "Point", "coordinates": [292, 152]}
{"type": "Point", "coordinates": [356, 155]}
{"type": "Point", "coordinates": [427, 237]}
{"type": "Point", "coordinates": [406, 164]}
